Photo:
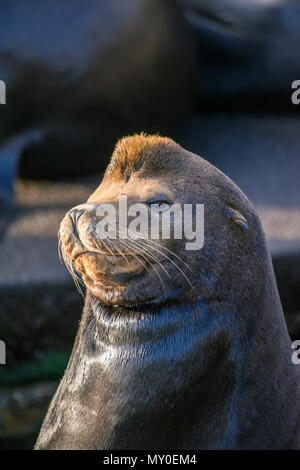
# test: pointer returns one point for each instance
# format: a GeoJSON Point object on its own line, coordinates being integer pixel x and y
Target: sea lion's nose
{"type": "Point", "coordinates": [83, 227]}
{"type": "Point", "coordinates": [83, 217]}
{"type": "Point", "coordinates": [82, 208]}
{"type": "Point", "coordinates": [68, 235]}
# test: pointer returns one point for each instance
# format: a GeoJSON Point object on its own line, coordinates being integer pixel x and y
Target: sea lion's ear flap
{"type": "Point", "coordinates": [241, 222]}
{"type": "Point", "coordinates": [237, 218]}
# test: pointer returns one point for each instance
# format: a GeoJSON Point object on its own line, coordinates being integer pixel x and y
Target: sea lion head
{"type": "Point", "coordinates": [207, 263]}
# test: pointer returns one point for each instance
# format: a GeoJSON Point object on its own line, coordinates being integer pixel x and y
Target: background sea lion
{"type": "Point", "coordinates": [84, 72]}
{"type": "Point", "coordinates": [204, 363]}
{"type": "Point", "coordinates": [247, 53]}
{"type": "Point", "coordinates": [88, 83]}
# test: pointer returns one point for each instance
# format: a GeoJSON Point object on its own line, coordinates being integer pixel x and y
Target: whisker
{"type": "Point", "coordinates": [134, 254]}
{"type": "Point", "coordinates": [159, 276]}
{"type": "Point", "coordinates": [70, 267]}
{"type": "Point", "coordinates": [171, 261]}
{"type": "Point", "coordinates": [120, 251]}
{"type": "Point", "coordinates": [106, 246]}
{"type": "Point", "coordinates": [164, 255]}
{"type": "Point", "coordinates": [166, 249]}
{"type": "Point", "coordinates": [143, 252]}
{"type": "Point", "coordinates": [169, 251]}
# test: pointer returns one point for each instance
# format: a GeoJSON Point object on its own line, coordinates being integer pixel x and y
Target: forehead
{"type": "Point", "coordinates": [143, 155]}
{"type": "Point", "coordinates": [139, 189]}
{"type": "Point", "coordinates": [143, 167]}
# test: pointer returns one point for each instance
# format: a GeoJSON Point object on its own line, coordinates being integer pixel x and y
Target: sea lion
{"type": "Point", "coordinates": [203, 363]}
{"type": "Point", "coordinates": [90, 82]}
{"type": "Point", "coordinates": [246, 52]}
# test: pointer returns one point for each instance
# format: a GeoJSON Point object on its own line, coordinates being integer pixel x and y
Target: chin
{"type": "Point", "coordinates": [129, 296]}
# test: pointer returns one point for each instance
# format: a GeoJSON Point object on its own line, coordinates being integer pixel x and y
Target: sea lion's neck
{"type": "Point", "coordinates": [191, 364]}
{"type": "Point", "coordinates": [169, 370]}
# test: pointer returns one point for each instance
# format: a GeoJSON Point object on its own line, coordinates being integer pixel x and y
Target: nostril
{"type": "Point", "coordinates": [75, 215]}
{"type": "Point", "coordinates": [79, 214]}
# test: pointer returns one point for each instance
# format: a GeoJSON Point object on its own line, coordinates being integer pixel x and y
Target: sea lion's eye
{"type": "Point", "coordinates": [159, 205]}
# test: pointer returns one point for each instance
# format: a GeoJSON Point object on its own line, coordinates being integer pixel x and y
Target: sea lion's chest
{"type": "Point", "coordinates": [120, 396]}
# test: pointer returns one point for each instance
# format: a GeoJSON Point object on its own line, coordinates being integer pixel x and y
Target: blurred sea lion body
{"type": "Point", "coordinates": [88, 72]}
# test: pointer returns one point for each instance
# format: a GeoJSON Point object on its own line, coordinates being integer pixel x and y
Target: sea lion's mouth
{"type": "Point", "coordinates": [116, 279]}
{"type": "Point", "coordinates": [104, 266]}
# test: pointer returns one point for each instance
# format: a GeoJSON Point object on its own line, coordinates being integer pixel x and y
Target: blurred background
{"type": "Point", "coordinates": [215, 75]}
